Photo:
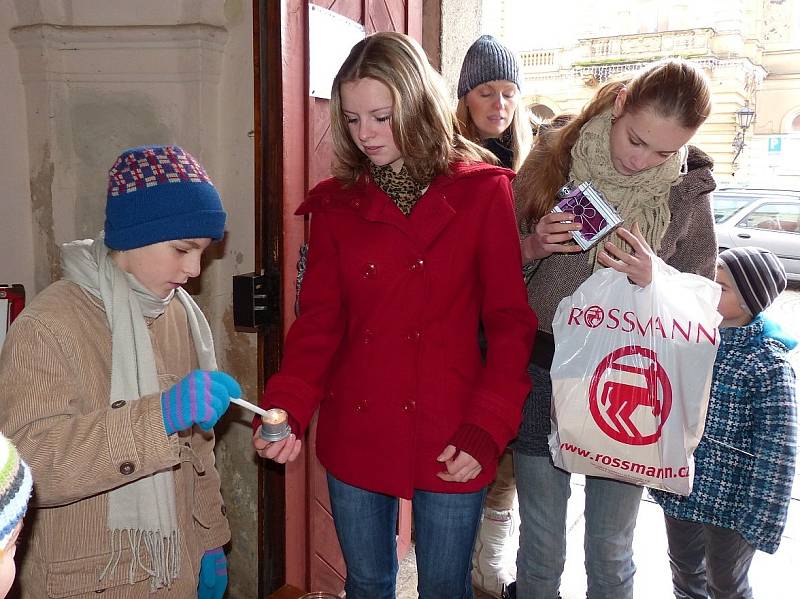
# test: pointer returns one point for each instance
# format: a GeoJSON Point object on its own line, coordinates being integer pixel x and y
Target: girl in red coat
{"type": "Point", "coordinates": [412, 245]}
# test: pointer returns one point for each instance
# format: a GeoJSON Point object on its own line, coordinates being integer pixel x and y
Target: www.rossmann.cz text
{"type": "Point", "coordinates": [627, 465]}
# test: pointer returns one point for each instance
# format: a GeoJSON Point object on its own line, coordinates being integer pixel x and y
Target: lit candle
{"type": "Point", "coordinates": [275, 425]}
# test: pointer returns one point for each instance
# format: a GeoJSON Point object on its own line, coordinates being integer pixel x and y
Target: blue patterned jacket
{"type": "Point", "coordinates": [744, 463]}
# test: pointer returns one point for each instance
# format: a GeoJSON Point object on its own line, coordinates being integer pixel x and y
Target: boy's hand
{"type": "Point", "coordinates": [213, 575]}
{"type": "Point", "coordinates": [201, 398]}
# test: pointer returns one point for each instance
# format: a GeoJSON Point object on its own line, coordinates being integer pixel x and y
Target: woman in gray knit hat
{"type": "Point", "coordinates": [489, 110]}
{"type": "Point", "coordinates": [490, 113]}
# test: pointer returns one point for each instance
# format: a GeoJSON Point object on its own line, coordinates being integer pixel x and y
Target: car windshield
{"type": "Point", "coordinates": [725, 206]}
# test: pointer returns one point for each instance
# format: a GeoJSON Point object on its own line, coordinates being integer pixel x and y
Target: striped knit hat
{"type": "Point", "coordinates": [487, 60]}
{"type": "Point", "coordinates": [757, 274]}
{"type": "Point", "coordinates": [160, 193]}
{"type": "Point", "coordinates": [15, 489]}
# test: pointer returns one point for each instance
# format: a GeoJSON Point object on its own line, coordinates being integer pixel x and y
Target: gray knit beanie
{"type": "Point", "coordinates": [487, 60]}
{"type": "Point", "coordinates": [757, 274]}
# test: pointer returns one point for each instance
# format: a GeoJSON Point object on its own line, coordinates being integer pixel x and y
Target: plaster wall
{"type": "Point", "coordinates": [78, 85]}
{"type": "Point", "coordinates": [461, 25]}
{"type": "Point", "coordinates": [16, 210]}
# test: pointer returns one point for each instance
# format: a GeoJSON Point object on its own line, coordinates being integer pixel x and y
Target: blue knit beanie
{"type": "Point", "coordinates": [160, 193]}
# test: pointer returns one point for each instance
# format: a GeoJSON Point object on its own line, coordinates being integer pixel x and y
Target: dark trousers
{"type": "Point", "coordinates": [708, 561]}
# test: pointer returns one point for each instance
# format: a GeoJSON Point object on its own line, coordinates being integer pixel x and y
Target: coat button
{"type": "Point", "coordinates": [118, 404]}
{"type": "Point", "coordinates": [408, 406]}
{"type": "Point", "coordinates": [370, 270]}
{"type": "Point", "coordinates": [330, 395]}
{"type": "Point", "coordinates": [360, 406]}
{"type": "Point", "coordinates": [413, 336]}
{"type": "Point", "coordinates": [355, 204]}
{"type": "Point", "coordinates": [126, 468]}
{"type": "Point", "coordinates": [417, 265]}
{"type": "Point", "coordinates": [368, 336]}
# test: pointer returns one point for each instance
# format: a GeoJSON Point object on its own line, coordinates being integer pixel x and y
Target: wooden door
{"type": "Point", "coordinates": [293, 152]}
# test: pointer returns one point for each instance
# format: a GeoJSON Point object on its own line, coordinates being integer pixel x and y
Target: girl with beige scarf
{"type": "Point", "coordinates": [630, 142]}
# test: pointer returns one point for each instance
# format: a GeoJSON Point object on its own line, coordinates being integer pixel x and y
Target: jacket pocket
{"type": "Point", "coordinates": [75, 577]}
{"type": "Point", "coordinates": [726, 476]}
{"type": "Point", "coordinates": [206, 511]}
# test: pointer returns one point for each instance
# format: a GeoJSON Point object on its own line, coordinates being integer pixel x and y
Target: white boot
{"type": "Point", "coordinates": [492, 562]}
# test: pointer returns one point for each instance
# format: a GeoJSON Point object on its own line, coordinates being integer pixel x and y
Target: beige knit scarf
{"type": "Point", "coordinates": [141, 515]}
{"type": "Point", "coordinates": [640, 198]}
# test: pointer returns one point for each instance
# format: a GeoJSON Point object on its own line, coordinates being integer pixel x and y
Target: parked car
{"type": "Point", "coordinates": [768, 218]}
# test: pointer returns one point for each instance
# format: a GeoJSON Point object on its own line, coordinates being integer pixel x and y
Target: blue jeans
{"type": "Point", "coordinates": [708, 561]}
{"type": "Point", "coordinates": [610, 511]}
{"type": "Point", "coordinates": [445, 527]}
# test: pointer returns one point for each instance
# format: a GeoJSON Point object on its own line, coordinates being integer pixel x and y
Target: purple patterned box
{"type": "Point", "coordinates": [591, 209]}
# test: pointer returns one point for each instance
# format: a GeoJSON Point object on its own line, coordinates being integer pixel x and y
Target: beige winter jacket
{"type": "Point", "coordinates": [55, 377]}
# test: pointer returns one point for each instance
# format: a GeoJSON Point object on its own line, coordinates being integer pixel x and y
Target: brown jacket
{"type": "Point", "coordinates": [54, 387]}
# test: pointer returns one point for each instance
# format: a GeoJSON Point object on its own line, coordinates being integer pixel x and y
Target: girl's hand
{"type": "Point", "coordinates": [637, 265]}
{"type": "Point", "coordinates": [550, 236]}
{"type": "Point", "coordinates": [285, 450]}
{"type": "Point", "coordinates": [459, 470]}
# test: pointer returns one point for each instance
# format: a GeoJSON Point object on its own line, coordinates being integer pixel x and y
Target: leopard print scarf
{"type": "Point", "coordinates": [400, 187]}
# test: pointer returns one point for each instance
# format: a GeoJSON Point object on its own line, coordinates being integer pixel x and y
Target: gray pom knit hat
{"type": "Point", "coordinates": [757, 274]}
{"type": "Point", "coordinates": [487, 60]}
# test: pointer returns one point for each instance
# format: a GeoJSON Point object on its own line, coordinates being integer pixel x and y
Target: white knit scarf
{"type": "Point", "coordinates": [143, 511]}
{"type": "Point", "coordinates": [639, 198]}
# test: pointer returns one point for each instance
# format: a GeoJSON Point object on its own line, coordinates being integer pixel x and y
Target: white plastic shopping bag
{"type": "Point", "coordinates": [631, 376]}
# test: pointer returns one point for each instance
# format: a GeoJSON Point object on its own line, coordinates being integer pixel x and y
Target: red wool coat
{"type": "Point", "coordinates": [386, 344]}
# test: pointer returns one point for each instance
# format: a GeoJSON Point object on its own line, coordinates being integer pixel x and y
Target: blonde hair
{"type": "Point", "coordinates": [670, 88]}
{"type": "Point", "coordinates": [520, 127]}
{"type": "Point", "coordinates": [424, 127]}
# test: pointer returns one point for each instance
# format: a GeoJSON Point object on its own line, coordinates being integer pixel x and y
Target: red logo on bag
{"type": "Point", "coordinates": [627, 379]}
{"type": "Point", "coordinates": [593, 316]}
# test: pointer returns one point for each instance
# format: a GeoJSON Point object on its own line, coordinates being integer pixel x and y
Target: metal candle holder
{"type": "Point", "coordinates": [275, 425]}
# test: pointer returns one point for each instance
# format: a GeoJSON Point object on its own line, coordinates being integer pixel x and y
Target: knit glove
{"type": "Point", "coordinates": [213, 575]}
{"type": "Point", "coordinates": [201, 397]}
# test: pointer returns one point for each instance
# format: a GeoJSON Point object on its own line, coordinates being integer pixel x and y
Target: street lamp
{"type": "Point", "coordinates": [744, 118]}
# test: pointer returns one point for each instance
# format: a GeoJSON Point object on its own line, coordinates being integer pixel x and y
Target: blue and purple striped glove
{"type": "Point", "coordinates": [201, 397]}
{"type": "Point", "coordinates": [213, 575]}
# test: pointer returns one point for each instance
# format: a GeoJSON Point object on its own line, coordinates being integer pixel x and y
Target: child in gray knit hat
{"type": "Point", "coordinates": [490, 110]}
{"type": "Point", "coordinates": [744, 464]}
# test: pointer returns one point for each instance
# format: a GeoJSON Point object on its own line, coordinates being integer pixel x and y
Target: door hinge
{"type": "Point", "coordinates": [256, 300]}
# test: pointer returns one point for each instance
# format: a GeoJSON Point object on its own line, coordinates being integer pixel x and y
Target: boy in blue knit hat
{"type": "Point", "coordinates": [744, 464]}
{"type": "Point", "coordinates": [109, 387]}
